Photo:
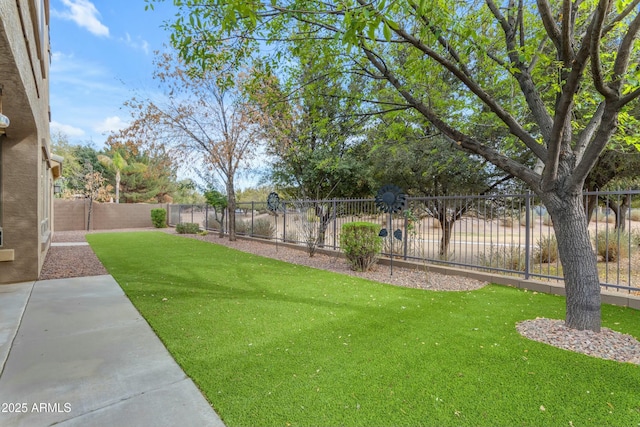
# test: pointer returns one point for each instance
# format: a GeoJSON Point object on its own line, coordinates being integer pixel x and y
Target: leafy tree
{"type": "Point", "coordinates": [95, 189]}
{"type": "Point", "coordinates": [548, 54]}
{"type": "Point", "coordinates": [150, 171]}
{"type": "Point", "coordinates": [187, 193]}
{"type": "Point", "coordinates": [205, 118]}
{"type": "Point", "coordinates": [254, 194]}
{"type": "Point", "coordinates": [403, 152]}
{"type": "Point", "coordinates": [312, 132]}
{"type": "Point", "coordinates": [115, 163]}
{"type": "Point", "coordinates": [220, 203]}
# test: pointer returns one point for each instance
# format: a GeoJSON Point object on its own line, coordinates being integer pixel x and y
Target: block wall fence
{"type": "Point", "coordinates": [72, 215]}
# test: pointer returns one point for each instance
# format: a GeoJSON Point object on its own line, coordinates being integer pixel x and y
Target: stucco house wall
{"type": "Point", "coordinates": [27, 167]}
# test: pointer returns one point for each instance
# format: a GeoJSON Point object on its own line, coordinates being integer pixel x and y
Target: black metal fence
{"type": "Point", "coordinates": [505, 233]}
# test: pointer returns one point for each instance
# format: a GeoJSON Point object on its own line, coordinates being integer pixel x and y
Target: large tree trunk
{"type": "Point", "coordinates": [447, 226]}
{"type": "Point", "coordinates": [578, 259]}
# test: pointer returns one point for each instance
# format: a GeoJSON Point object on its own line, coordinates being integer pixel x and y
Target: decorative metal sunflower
{"type": "Point", "coordinates": [273, 201]}
{"type": "Point", "coordinates": [391, 199]}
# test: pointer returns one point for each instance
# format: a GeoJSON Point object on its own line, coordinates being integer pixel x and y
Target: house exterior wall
{"type": "Point", "coordinates": [26, 178]}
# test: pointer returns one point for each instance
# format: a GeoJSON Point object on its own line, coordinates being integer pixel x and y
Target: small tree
{"type": "Point", "coordinates": [94, 189]}
{"type": "Point", "coordinates": [220, 203]}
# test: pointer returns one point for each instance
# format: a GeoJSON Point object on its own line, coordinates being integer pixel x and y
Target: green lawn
{"type": "Point", "coordinates": [271, 343]}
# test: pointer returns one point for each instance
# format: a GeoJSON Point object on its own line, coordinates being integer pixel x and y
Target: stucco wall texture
{"type": "Point", "coordinates": [71, 215]}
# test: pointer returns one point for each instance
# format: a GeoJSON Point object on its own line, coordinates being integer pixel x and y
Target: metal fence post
{"type": "Point", "coordinates": [252, 211]}
{"type": "Point", "coordinates": [335, 224]}
{"type": "Point", "coordinates": [284, 222]}
{"type": "Point", "coordinates": [405, 237]}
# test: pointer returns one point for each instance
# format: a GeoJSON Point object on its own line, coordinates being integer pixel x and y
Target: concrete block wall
{"type": "Point", "coordinates": [71, 215]}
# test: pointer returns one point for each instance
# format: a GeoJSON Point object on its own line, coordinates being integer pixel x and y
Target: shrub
{"type": "Point", "coordinates": [291, 236]}
{"type": "Point", "coordinates": [508, 258]}
{"type": "Point", "coordinates": [187, 228]}
{"type": "Point", "coordinates": [361, 244]}
{"type": "Point", "coordinates": [263, 228]}
{"type": "Point", "coordinates": [612, 245]}
{"type": "Point", "coordinates": [159, 217]}
{"type": "Point", "coordinates": [635, 215]}
{"type": "Point", "coordinates": [533, 220]}
{"type": "Point", "coordinates": [242, 227]}
{"type": "Point", "coordinates": [546, 251]}
{"type": "Point", "coordinates": [507, 222]}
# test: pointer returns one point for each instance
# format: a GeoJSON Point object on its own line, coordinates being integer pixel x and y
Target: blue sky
{"type": "Point", "coordinates": [102, 54]}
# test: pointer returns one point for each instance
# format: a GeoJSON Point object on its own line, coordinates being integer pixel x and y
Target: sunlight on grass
{"type": "Point", "coordinates": [271, 343]}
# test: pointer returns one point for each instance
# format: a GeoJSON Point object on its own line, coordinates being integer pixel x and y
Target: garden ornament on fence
{"type": "Point", "coordinates": [273, 204]}
{"type": "Point", "coordinates": [390, 199]}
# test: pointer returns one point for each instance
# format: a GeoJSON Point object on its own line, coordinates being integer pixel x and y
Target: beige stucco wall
{"type": "Point", "coordinates": [24, 78]}
{"type": "Point", "coordinates": [72, 215]}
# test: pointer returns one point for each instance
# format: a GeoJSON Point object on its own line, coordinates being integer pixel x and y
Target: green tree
{"type": "Point", "coordinates": [205, 118]}
{"type": "Point", "coordinates": [116, 163]}
{"type": "Point", "coordinates": [187, 193]}
{"type": "Point", "coordinates": [548, 54]}
{"type": "Point", "coordinates": [220, 203]}
{"type": "Point", "coordinates": [420, 161]}
{"type": "Point", "coordinates": [312, 133]}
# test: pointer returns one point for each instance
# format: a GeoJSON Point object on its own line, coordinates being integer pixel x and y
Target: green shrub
{"type": "Point", "coordinates": [546, 251]}
{"type": "Point", "coordinates": [187, 228]}
{"type": "Point", "coordinates": [612, 245]}
{"type": "Point", "coordinates": [159, 217]}
{"type": "Point", "coordinates": [263, 228]}
{"type": "Point", "coordinates": [361, 244]}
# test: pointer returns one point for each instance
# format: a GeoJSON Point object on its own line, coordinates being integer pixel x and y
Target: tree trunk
{"type": "Point", "coordinates": [324, 217]}
{"type": "Point", "coordinates": [578, 260]}
{"type": "Point", "coordinates": [89, 213]}
{"type": "Point", "coordinates": [231, 195]}
{"type": "Point", "coordinates": [221, 222]}
{"type": "Point", "coordinates": [620, 211]}
{"type": "Point", "coordinates": [446, 225]}
{"type": "Point", "coordinates": [118, 187]}
{"type": "Point", "coordinates": [590, 205]}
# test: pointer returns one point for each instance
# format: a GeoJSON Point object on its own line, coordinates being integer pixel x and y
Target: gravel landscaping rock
{"type": "Point", "coordinates": [77, 261]}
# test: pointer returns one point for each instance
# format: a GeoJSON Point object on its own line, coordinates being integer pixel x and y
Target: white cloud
{"type": "Point", "coordinates": [68, 130]}
{"type": "Point", "coordinates": [111, 124]}
{"type": "Point", "coordinates": [84, 14]}
{"type": "Point", "coordinates": [139, 44]}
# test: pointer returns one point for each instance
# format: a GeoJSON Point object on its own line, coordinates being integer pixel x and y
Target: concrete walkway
{"type": "Point", "coordinates": [75, 352]}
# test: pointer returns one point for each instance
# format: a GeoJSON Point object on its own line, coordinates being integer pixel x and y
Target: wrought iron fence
{"type": "Point", "coordinates": [504, 233]}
